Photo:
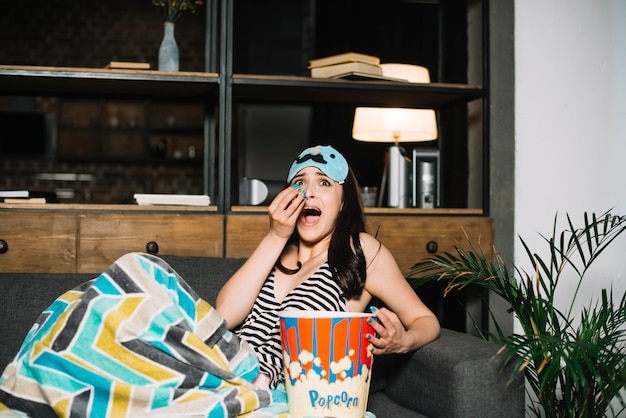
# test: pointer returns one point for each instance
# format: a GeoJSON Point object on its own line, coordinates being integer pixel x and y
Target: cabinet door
{"type": "Point", "coordinates": [38, 242]}
{"type": "Point", "coordinates": [413, 238]}
{"type": "Point", "coordinates": [244, 232]}
{"type": "Point", "coordinates": [104, 237]}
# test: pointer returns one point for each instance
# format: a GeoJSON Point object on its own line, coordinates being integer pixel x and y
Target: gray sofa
{"type": "Point", "coordinates": [456, 376]}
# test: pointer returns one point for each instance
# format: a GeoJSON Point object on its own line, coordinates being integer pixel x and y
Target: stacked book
{"type": "Point", "coordinates": [144, 199]}
{"type": "Point", "coordinates": [346, 65]}
{"type": "Point", "coordinates": [27, 196]}
{"type": "Point", "coordinates": [125, 65]}
{"type": "Point", "coordinates": [349, 65]}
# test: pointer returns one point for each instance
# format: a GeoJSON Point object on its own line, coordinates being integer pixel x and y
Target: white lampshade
{"type": "Point", "coordinates": [411, 73]}
{"type": "Point", "coordinates": [382, 124]}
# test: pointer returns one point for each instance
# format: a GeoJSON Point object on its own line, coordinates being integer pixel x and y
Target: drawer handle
{"type": "Point", "coordinates": [4, 247]}
{"type": "Point", "coordinates": [432, 247]}
{"type": "Point", "coordinates": [152, 247]}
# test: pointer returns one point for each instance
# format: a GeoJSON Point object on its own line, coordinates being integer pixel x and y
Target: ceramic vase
{"type": "Point", "coordinates": [168, 51]}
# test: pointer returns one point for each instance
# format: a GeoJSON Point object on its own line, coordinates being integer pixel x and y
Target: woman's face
{"type": "Point", "coordinates": [324, 200]}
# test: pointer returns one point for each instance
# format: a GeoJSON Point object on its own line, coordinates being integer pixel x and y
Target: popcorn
{"type": "Point", "coordinates": [327, 362]}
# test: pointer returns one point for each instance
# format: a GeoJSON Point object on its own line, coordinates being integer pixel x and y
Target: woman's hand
{"type": "Point", "coordinates": [391, 335]}
{"type": "Point", "coordinates": [405, 323]}
{"type": "Point", "coordinates": [284, 212]}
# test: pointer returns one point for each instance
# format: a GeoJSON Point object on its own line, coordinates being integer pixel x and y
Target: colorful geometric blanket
{"type": "Point", "coordinates": [136, 341]}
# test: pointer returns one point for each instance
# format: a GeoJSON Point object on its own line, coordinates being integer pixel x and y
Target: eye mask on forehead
{"type": "Point", "coordinates": [324, 157]}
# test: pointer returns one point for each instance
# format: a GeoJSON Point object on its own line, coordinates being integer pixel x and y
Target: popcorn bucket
{"type": "Point", "coordinates": [327, 361]}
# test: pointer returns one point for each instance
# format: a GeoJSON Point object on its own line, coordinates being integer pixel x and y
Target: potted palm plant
{"type": "Point", "coordinates": [574, 360]}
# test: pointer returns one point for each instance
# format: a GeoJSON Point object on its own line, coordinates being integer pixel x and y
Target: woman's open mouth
{"type": "Point", "coordinates": [310, 214]}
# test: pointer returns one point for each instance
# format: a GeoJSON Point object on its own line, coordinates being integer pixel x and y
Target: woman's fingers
{"type": "Point", "coordinates": [285, 210]}
{"type": "Point", "coordinates": [389, 332]}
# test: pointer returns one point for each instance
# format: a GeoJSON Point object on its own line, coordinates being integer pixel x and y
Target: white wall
{"type": "Point", "coordinates": [570, 118]}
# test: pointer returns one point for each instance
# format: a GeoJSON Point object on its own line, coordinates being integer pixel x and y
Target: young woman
{"type": "Point", "coordinates": [318, 256]}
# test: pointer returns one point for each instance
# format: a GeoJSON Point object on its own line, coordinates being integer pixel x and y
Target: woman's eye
{"type": "Point", "coordinates": [325, 183]}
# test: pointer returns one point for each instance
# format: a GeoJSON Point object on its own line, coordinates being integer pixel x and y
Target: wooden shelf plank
{"type": "Point", "coordinates": [79, 207]}
{"type": "Point", "coordinates": [67, 81]}
{"type": "Point", "coordinates": [304, 90]}
{"type": "Point", "coordinates": [383, 211]}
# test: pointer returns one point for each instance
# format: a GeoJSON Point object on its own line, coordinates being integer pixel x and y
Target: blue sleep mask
{"type": "Point", "coordinates": [324, 157]}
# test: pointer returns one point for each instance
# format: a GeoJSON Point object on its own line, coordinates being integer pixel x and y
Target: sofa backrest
{"type": "Point", "coordinates": [206, 275]}
{"type": "Point", "coordinates": [23, 296]}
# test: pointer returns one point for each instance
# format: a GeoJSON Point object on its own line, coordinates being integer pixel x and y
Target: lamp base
{"type": "Point", "coordinates": [399, 178]}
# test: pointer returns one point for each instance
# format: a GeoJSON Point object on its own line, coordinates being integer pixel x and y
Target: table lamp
{"type": "Point", "coordinates": [395, 125]}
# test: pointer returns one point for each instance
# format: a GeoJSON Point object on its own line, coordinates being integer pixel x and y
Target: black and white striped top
{"type": "Point", "coordinates": [261, 328]}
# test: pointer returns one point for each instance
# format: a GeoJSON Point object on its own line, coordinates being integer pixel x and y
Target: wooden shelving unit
{"type": "Point", "coordinates": [231, 230]}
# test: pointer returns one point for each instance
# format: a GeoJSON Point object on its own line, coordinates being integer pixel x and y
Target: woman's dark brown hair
{"type": "Point", "coordinates": [345, 254]}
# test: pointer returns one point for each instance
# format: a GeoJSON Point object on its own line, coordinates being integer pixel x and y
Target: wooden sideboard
{"type": "Point", "coordinates": [87, 238]}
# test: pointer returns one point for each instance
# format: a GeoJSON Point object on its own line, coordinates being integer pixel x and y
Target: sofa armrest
{"type": "Point", "coordinates": [458, 375]}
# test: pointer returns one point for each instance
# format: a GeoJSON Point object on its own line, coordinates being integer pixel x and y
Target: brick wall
{"type": "Point", "coordinates": [92, 33]}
